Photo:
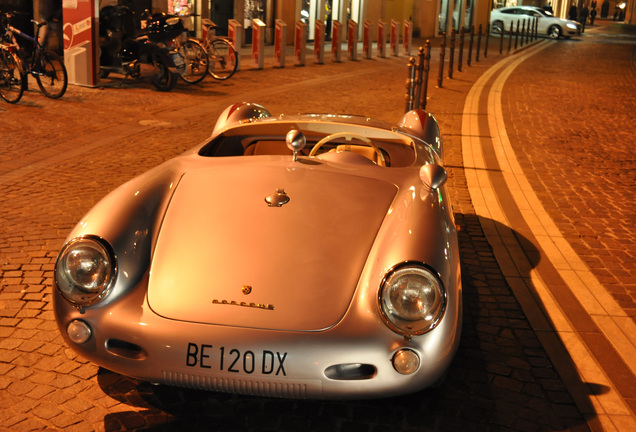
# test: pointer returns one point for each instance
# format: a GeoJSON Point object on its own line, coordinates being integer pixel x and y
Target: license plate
{"type": "Point", "coordinates": [226, 359]}
{"type": "Point", "coordinates": [177, 59]}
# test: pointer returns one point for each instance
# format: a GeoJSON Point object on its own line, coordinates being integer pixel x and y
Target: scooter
{"type": "Point", "coordinates": [124, 49]}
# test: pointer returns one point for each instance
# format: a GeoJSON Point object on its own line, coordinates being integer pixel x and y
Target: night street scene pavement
{"type": "Point", "coordinates": [539, 149]}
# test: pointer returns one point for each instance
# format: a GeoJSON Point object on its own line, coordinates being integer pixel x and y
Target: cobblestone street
{"type": "Point", "coordinates": [568, 112]}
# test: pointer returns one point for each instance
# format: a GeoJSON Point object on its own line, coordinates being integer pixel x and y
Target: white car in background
{"type": "Point", "coordinates": [548, 24]}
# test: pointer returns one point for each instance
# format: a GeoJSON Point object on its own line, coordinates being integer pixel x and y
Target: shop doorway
{"type": "Point", "coordinates": [221, 11]}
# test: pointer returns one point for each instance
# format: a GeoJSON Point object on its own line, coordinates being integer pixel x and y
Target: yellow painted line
{"type": "Point", "coordinates": [606, 409]}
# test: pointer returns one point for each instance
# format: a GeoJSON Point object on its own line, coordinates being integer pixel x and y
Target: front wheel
{"type": "Point", "coordinates": [196, 61]}
{"type": "Point", "coordinates": [11, 80]}
{"type": "Point", "coordinates": [498, 27]}
{"type": "Point", "coordinates": [222, 59]}
{"type": "Point", "coordinates": [554, 32]}
{"type": "Point", "coordinates": [162, 78]}
{"type": "Point", "coordinates": [51, 75]}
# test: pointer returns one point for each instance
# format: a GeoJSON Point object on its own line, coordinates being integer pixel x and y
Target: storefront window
{"type": "Point", "coordinates": [443, 16]}
{"type": "Point", "coordinates": [181, 7]}
{"type": "Point", "coordinates": [253, 9]}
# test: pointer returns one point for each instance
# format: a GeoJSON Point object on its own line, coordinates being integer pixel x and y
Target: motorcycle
{"type": "Point", "coordinates": [124, 49]}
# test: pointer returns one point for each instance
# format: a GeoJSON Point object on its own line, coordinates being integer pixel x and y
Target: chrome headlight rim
{"type": "Point", "coordinates": [396, 323]}
{"type": "Point", "coordinates": [69, 291]}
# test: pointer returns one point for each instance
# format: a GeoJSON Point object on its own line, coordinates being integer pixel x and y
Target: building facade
{"type": "Point", "coordinates": [429, 18]}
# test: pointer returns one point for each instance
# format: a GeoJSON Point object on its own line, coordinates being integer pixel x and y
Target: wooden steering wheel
{"type": "Point", "coordinates": [349, 136]}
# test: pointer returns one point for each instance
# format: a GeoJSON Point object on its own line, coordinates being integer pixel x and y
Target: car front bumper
{"type": "Point", "coordinates": [354, 359]}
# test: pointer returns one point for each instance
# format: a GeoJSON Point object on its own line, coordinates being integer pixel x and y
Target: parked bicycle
{"type": "Point", "coordinates": [222, 57]}
{"type": "Point", "coordinates": [15, 65]}
{"type": "Point", "coordinates": [194, 55]}
{"type": "Point", "coordinates": [195, 58]}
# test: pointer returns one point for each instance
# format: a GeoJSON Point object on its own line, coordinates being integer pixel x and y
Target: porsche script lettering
{"type": "Point", "coordinates": [266, 306]}
{"type": "Point", "coordinates": [232, 360]}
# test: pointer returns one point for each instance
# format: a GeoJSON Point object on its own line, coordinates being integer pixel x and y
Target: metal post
{"type": "Point", "coordinates": [470, 45]}
{"type": "Point", "coordinates": [487, 39]}
{"type": "Point", "coordinates": [461, 48]}
{"type": "Point", "coordinates": [523, 31]}
{"type": "Point", "coordinates": [452, 54]}
{"type": "Point", "coordinates": [510, 37]}
{"type": "Point", "coordinates": [418, 76]}
{"type": "Point", "coordinates": [517, 36]}
{"type": "Point", "coordinates": [501, 38]}
{"type": "Point", "coordinates": [478, 44]}
{"type": "Point", "coordinates": [442, 54]}
{"type": "Point", "coordinates": [427, 59]}
{"type": "Point", "coordinates": [410, 85]}
{"type": "Point", "coordinates": [530, 30]}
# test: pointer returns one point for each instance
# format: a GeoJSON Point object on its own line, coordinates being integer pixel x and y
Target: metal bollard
{"type": "Point", "coordinates": [501, 38]}
{"type": "Point", "coordinates": [410, 85]}
{"type": "Point", "coordinates": [418, 76]}
{"type": "Point", "coordinates": [517, 36]}
{"type": "Point", "coordinates": [452, 54]}
{"type": "Point", "coordinates": [478, 44]}
{"type": "Point", "coordinates": [487, 39]}
{"type": "Point", "coordinates": [470, 45]}
{"type": "Point", "coordinates": [427, 67]}
{"type": "Point", "coordinates": [442, 54]}
{"type": "Point", "coordinates": [510, 37]}
{"type": "Point", "coordinates": [523, 32]}
{"type": "Point", "coordinates": [461, 48]}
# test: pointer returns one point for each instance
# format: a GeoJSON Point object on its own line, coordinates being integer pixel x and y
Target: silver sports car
{"type": "Point", "coordinates": [309, 256]}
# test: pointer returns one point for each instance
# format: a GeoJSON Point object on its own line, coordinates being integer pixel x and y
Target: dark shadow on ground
{"type": "Point", "coordinates": [501, 378]}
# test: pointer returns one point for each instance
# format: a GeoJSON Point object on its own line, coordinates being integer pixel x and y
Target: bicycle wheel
{"type": "Point", "coordinates": [162, 78]}
{"type": "Point", "coordinates": [11, 80]}
{"type": "Point", "coordinates": [196, 61]}
{"type": "Point", "coordinates": [223, 59]}
{"type": "Point", "coordinates": [51, 74]}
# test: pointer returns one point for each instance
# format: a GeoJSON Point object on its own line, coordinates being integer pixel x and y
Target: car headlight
{"type": "Point", "coordinates": [572, 26]}
{"type": "Point", "coordinates": [412, 299]}
{"type": "Point", "coordinates": [85, 271]}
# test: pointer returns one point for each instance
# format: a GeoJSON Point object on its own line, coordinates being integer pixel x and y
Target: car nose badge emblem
{"type": "Point", "coordinates": [277, 199]}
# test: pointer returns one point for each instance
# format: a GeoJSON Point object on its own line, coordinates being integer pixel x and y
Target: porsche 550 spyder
{"type": "Point", "coordinates": [306, 256]}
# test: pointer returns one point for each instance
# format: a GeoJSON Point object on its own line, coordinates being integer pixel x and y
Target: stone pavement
{"type": "Point", "coordinates": [564, 301]}
{"type": "Point", "coordinates": [59, 157]}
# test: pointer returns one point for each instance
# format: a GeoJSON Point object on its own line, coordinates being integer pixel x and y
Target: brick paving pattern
{"type": "Point", "coordinates": [589, 193]}
{"type": "Point", "coordinates": [59, 157]}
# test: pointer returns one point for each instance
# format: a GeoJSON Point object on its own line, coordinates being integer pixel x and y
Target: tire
{"type": "Point", "coordinates": [51, 75]}
{"type": "Point", "coordinates": [497, 27]}
{"type": "Point", "coordinates": [103, 73]}
{"type": "Point", "coordinates": [554, 32]}
{"type": "Point", "coordinates": [222, 59]}
{"type": "Point", "coordinates": [196, 61]}
{"type": "Point", "coordinates": [162, 78]}
{"type": "Point", "coordinates": [11, 80]}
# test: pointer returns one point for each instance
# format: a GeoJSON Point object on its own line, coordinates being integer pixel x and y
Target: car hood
{"type": "Point", "coordinates": [224, 257]}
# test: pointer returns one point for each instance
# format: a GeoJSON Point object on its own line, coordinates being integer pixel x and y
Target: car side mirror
{"type": "Point", "coordinates": [296, 141]}
{"type": "Point", "coordinates": [433, 176]}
